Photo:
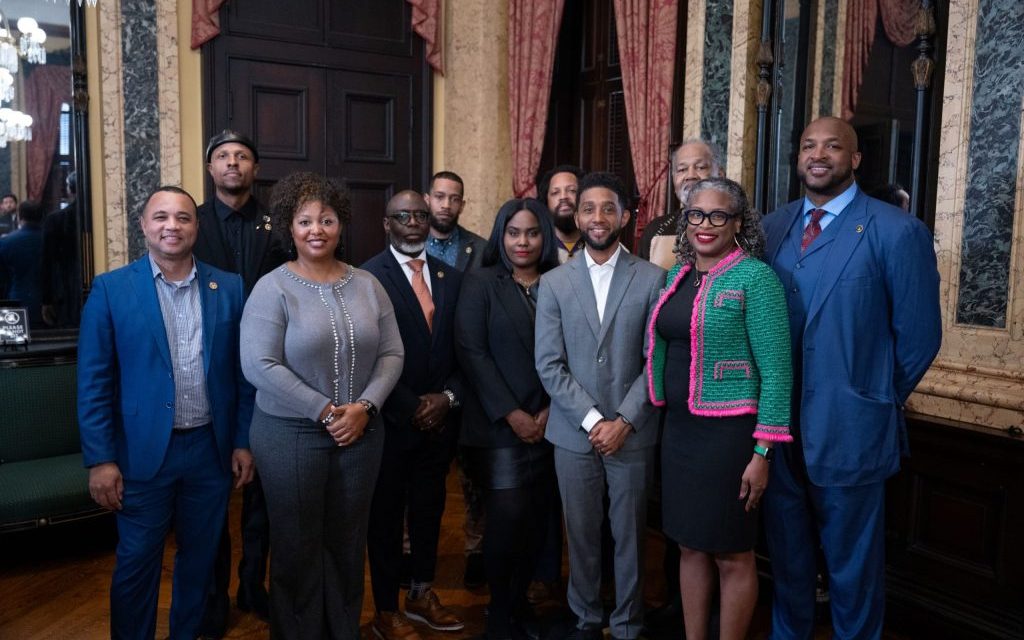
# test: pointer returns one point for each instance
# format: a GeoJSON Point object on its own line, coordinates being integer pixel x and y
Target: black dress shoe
{"type": "Point", "coordinates": [215, 619]}
{"type": "Point", "coordinates": [475, 576]}
{"type": "Point", "coordinates": [254, 599]}
{"type": "Point", "coordinates": [584, 634]}
{"type": "Point", "coordinates": [668, 616]}
{"type": "Point", "coordinates": [405, 571]}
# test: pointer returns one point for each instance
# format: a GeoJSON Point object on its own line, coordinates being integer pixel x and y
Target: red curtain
{"type": "Point", "coordinates": [45, 89]}
{"type": "Point", "coordinates": [647, 49]}
{"type": "Point", "coordinates": [899, 19]}
{"type": "Point", "coordinates": [205, 21]}
{"type": "Point", "coordinates": [426, 22]}
{"type": "Point", "coordinates": [532, 36]}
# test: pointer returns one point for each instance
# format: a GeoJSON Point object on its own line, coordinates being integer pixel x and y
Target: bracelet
{"type": "Point", "coordinates": [328, 419]}
{"type": "Point", "coordinates": [765, 452]}
{"type": "Point", "coordinates": [452, 402]}
{"type": "Point", "coordinates": [371, 409]}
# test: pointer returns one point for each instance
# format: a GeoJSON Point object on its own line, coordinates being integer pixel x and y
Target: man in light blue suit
{"type": "Point", "coordinates": [164, 414]}
{"type": "Point", "coordinates": [863, 294]}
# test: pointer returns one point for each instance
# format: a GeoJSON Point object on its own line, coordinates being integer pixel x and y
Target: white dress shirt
{"type": "Point", "coordinates": [403, 260]}
{"type": "Point", "coordinates": [601, 279]}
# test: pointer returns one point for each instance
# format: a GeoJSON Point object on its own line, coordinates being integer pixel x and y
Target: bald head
{"type": "Point", "coordinates": [406, 222]}
{"type": "Point", "coordinates": [828, 158]}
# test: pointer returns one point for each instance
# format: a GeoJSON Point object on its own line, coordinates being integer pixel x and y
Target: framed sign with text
{"type": "Point", "coordinates": [14, 328]}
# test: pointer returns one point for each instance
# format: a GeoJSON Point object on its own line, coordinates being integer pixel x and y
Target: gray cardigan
{"type": "Point", "coordinates": [305, 344]}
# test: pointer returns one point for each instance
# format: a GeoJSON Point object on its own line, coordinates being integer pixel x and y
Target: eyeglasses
{"type": "Point", "coordinates": [717, 218]}
{"type": "Point", "coordinates": [405, 216]}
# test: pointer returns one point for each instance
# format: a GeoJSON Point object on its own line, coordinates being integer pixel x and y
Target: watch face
{"type": "Point", "coordinates": [770, 454]}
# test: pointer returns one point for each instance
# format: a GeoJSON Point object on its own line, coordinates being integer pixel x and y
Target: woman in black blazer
{"type": "Point", "coordinates": [503, 422]}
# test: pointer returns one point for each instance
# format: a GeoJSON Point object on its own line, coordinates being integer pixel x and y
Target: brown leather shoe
{"type": "Point", "coordinates": [429, 610]}
{"type": "Point", "coordinates": [388, 625]}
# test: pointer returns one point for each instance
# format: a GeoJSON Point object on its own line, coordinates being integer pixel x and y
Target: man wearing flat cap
{"type": "Point", "coordinates": [235, 235]}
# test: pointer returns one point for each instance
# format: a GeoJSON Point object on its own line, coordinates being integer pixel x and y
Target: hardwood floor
{"type": "Point", "coordinates": [54, 583]}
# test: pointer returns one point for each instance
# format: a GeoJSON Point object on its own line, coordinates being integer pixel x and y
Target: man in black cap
{"type": "Point", "coordinates": [235, 235]}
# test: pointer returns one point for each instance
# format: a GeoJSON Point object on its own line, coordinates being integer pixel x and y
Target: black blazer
{"type": "Point", "coordinates": [494, 343]}
{"type": "Point", "coordinates": [266, 252]}
{"type": "Point", "coordinates": [430, 364]}
{"type": "Point", "coordinates": [471, 250]}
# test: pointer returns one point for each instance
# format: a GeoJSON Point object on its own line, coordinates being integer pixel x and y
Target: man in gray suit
{"type": "Point", "coordinates": [591, 317]}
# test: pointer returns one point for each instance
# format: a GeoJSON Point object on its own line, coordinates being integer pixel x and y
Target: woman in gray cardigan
{"type": "Point", "coordinates": [321, 346]}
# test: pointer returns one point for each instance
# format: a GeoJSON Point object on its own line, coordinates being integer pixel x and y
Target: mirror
{"type": "Point", "coordinates": [42, 75]}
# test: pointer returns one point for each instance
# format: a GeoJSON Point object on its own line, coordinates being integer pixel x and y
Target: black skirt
{"type": "Point", "coordinates": [515, 467]}
{"type": "Point", "coordinates": [702, 458]}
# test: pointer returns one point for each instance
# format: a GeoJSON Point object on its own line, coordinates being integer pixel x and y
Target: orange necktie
{"type": "Point", "coordinates": [419, 287]}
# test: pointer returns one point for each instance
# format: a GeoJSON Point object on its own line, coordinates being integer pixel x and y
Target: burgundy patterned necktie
{"type": "Point", "coordinates": [813, 229]}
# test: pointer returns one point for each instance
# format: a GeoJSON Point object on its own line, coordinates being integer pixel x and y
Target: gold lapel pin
{"type": "Point", "coordinates": [860, 228]}
{"type": "Point", "coordinates": [440, 274]}
{"type": "Point", "coordinates": [213, 285]}
{"type": "Point", "coordinates": [267, 226]}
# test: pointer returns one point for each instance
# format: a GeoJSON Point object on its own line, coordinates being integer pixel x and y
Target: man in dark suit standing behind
{"type": "Point", "coordinates": [235, 235]}
{"type": "Point", "coordinates": [863, 295]}
{"type": "Point", "coordinates": [164, 414]}
{"type": "Point", "coordinates": [420, 437]}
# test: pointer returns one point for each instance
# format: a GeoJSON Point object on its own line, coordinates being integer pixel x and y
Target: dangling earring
{"type": "Point", "coordinates": [736, 239]}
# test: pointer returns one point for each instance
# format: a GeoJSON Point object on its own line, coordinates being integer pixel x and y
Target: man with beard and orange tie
{"type": "Point", "coordinates": [692, 161]}
{"type": "Point", "coordinates": [559, 189]}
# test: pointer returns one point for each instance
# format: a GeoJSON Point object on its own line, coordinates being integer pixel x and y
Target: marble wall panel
{"type": "Point", "coordinates": [693, 73]}
{"type": "Point", "coordinates": [141, 112]}
{"type": "Point", "coordinates": [112, 213]}
{"type": "Point", "coordinates": [169, 91]}
{"type": "Point", "coordinates": [829, 45]}
{"type": "Point", "coordinates": [993, 158]}
{"type": "Point", "coordinates": [717, 76]}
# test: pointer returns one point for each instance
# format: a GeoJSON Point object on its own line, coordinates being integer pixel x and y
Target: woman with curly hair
{"type": "Point", "coordinates": [719, 361]}
{"type": "Point", "coordinates": [321, 346]}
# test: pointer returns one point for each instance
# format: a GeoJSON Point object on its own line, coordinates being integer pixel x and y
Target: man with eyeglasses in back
{"type": "Point", "coordinates": [420, 434]}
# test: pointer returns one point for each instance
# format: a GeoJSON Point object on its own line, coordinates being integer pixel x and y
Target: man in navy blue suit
{"type": "Point", "coordinates": [863, 293]}
{"type": "Point", "coordinates": [164, 414]}
{"type": "Point", "coordinates": [420, 432]}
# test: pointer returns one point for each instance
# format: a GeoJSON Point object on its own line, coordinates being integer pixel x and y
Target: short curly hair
{"type": "Point", "coordinates": [751, 234]}
{"type": "Point", "coordinates": [302, 187]}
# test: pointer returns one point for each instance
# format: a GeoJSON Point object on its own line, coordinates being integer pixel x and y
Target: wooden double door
{"type": "Point", "coordinates": [337, 87]}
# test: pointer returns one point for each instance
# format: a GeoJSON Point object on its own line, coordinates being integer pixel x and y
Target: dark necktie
{"type": "Point", "coordinates": [813, 229]}
{"type": "Point", "coordinates": [419, 287]}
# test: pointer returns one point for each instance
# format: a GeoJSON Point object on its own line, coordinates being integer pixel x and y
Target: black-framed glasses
{"type": "Point", "coordinates": [717, 218]}
{"type": "Point", "coordinates": [404, 216]}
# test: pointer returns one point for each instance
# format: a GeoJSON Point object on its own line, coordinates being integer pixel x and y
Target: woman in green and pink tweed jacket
{"type": "Point", "coordinates": [719, 362]}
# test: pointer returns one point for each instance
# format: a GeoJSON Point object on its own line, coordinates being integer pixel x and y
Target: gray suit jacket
{"type": "Point", "coordinates": [583, 364]}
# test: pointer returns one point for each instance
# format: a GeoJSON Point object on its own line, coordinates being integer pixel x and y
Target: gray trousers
{"type": "Point", "coordinates": [318, 497]}
{"type": "Point", "coordinates": [582, 478]}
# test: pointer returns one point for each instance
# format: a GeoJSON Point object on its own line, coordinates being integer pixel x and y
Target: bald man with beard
{"type": "Point", "coordinates": [862, 289]}
{"type": "Point", "coordinates": [420, 432]}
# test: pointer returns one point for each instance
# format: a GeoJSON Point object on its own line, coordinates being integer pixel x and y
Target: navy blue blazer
{"type": "Point", "coordinates": [871, 331]}
{"type": "Point", "coordinates": [430, 364]}
{"type": "Point", "coordinates": [125, 382]}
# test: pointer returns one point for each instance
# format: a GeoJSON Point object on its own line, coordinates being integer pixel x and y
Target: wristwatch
{"type": "Point", "coordinates": [768, 453]}
{"type": "Point", "coordinates": [453, 403]}
{"type": "Point", "coordinates": [371, 409]}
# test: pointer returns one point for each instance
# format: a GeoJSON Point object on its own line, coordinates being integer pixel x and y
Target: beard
{"type": "Point", "coordinates": [608, 242]}
{"type": "Point", "coordinates": [411, 248]}
{"type": "Point", "coordinates": [566, 224]}
{"type": "Point", "coordinates": [831, 187]}
{"type": "Point", "coordinates": [442, 227]}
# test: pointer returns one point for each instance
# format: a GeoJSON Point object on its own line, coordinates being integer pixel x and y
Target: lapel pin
{"type": "Point", "coordinates": [860, 228]}
{"type": "Point", "coordinates": [440, 274]}
{"type": "Point", "coordinates": [266, 218]}
{"type": "Point", "coordinates": [213, 285]}
{"type": "Point", "coordinates": [267, 226]}
{"type": "Point", "coordinates": [469, 249]}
